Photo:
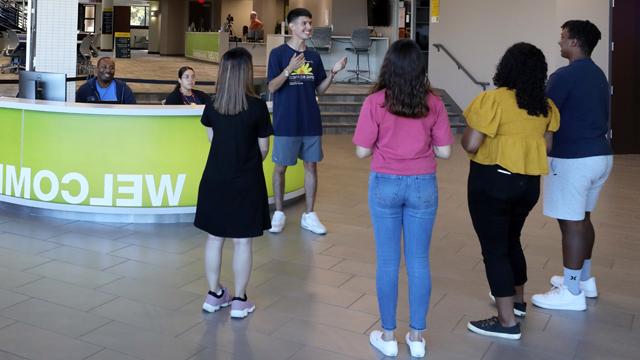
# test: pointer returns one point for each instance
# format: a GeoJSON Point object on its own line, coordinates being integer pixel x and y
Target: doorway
{"type": "Point", "coordinates": [625, 77]}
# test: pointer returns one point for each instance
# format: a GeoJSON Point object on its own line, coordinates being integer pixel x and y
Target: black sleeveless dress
{"type": "Point", "coordinates": [232, 197]}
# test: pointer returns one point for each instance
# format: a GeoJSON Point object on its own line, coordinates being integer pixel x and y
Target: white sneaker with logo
{"type": "Point", "coordinates": [311, 222]}
{"type": "Point", "coordinates": [388, 348]}
{"type": "Point", "coordinates": [588, 286]}
{"type": "Point", "coordinates": [560, 298]}
{"type": "Point", "coordinates": [277, 222]}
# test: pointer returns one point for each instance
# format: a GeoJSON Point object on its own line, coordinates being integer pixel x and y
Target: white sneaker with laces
{"type": "Point", "coordinates": [416, 348]}
{"type": "Point", "coordinates": [388, 348]}
{"type": "Point", "coordinates": [588, 286]}
{"type": "Point", "coordinates": [560, 298]}
{"type": "Point", "coordinates": [311, 222]}
{"type": "Point", "coordinates": [277, 222]}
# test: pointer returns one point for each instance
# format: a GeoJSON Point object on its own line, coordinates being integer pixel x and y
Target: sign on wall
{"type": "Point", "coordinates": [123, 45]}
{"type": "Point", "coordinates": [107, 21]}
{"type": "Point", "coordinates": [435, 11]}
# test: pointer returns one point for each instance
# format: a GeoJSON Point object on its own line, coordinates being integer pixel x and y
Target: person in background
{"type": "Point", "coordinates": [296, 75]}
{"type": "Point", "coordinates": [255, 23]}
{"type": "Point", "coordinates": [581, 160]}
{"type": "Point", "coordinates": [184, 93]}
{"type": "Point", "coordinates": [507, 138]}
{"type": "Point", "coordinates": [232, 197]}
{"type": "Point", "coordinates": [104, 88]}
{"type": "Point", "coordinates": [404, 126]}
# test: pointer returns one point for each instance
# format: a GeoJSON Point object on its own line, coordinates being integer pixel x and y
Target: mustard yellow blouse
{"type": "Point", "coordinates": [514, 139]}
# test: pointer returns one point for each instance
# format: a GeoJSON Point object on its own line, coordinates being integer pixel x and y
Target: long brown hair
{"type": "Point", "coordinates": [403, 77]}
{"type": "Point", "coordinates": [235, 82]}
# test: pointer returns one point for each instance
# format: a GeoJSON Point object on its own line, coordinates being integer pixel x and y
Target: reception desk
{"type": "Point", "coordinates": [209, 46]}
{"type": "Point", "coordinates": [123, 163]}
{"type": "Point", "coordinates": [206, 46]}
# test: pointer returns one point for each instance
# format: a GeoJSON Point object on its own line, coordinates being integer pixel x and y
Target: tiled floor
{"type": "Point", "coordinates": [78, 290]}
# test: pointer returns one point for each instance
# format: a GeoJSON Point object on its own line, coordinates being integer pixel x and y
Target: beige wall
{"type": "Point", "coordinates": [320, 9]}
{"type": "Point", "coordinates": [349, 15]}
{"type": "Point", "coordinates": [269, 12]}
{"type": "Point", "coordinates": [478, 33]}
{"type": "Point", "coordinates": [240, 10]}
{"type": "Point", "coordinates": [154, 28]}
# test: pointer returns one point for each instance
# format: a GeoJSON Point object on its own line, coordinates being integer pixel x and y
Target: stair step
{"type": "Point", "coordinates": [336, 103]}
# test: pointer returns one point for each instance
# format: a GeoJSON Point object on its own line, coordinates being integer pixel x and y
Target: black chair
{"type": "Point", "coordinates": [84, 65]}
{"type": "Point", "coordinates": [361, 44]}
{"type": "Point", "coordinates": [321, 39]}
{"type": "Point", "coordinates": [16, 51]}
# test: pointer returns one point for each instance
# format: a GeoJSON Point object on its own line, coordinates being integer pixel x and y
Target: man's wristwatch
{"type": "Point", "coordinates": [286, 73]}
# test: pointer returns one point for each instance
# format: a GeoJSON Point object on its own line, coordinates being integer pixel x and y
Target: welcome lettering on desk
{"type": "Point", "coordinates": [73, 188]}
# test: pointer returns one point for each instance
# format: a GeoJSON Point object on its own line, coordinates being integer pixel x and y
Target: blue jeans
{"type": "Point", "coordinates": [403, 204]}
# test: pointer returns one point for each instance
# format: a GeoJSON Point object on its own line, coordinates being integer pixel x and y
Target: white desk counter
{"type": "Point", "coordinates": [123, 163]}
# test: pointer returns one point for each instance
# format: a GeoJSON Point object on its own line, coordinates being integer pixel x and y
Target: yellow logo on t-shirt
{"type": "Point", "coordinates": [303, 70]}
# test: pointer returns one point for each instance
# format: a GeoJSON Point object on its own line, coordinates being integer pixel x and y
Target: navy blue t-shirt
{"type": "Point", "coordinates": [581, 93]}
{"type": "Point", "coordinates": [295, 108]}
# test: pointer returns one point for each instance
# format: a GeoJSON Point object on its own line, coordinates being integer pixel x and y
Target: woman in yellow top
{"type": "Point", "coordinates": [507, 138]}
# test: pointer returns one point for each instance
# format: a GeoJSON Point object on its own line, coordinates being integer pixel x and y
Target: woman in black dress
{"type": "Point", "coordinates": [184, 93]}
{"type": "Point", "coordinates": [232, 198]}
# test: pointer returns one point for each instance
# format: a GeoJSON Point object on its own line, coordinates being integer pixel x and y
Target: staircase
{"type": "Point", "coordinates": [340, 111]}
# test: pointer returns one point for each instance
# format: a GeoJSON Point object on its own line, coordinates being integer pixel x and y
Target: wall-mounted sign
{"type": "Point", "coordinates": [435, 11]}
{"type": "Point", "coordinates": [123, 44]}
{"type": "Point", "coordinates": [107, 21]}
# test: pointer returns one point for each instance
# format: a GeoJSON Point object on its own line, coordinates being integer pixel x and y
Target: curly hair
{"type": "Point", "coordinates": [403, 76]}
{"type": "Point", "coordinates": [523, 68]}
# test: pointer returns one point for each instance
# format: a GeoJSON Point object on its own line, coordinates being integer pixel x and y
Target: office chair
{"type": "Point", "coordinates": [361, 43]}
{"type": "Point", "coordinates": [84, 65]}
{"type": "Point", "coordinates": [321, 39]}
{"type": "Point", "coordinates": [95, 44]}
{"type": "Point", "coordinates": [3, 46]}
{"type": "Point", "coordinates": [16, 52]}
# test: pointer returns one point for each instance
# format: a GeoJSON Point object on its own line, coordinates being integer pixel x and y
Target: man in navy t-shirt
{"type": "Point", "coordinates": [296, 75]}
{"type": "Point", "coordinates": [579, 163]}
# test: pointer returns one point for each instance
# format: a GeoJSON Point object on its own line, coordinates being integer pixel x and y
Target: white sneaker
{"type": "Point", "coordinates": [311, 222]}
{"type": "Point", "coordinates": [560, 298]}
{"type": "Point", "coordinates": [277, 222]}
{"type": "Point", "coordinates": [388, 348]}
{"type": "Point", "coordinates": [588, 286]}
{"type": "Point", "coordinates": [416, 348]}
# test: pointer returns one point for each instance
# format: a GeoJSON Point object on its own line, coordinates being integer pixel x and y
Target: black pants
{"type": "Point", "coordinates": [499, 203]}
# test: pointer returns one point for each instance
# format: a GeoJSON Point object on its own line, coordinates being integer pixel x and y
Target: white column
{"type": "Point", "coordinates": [56, 38]}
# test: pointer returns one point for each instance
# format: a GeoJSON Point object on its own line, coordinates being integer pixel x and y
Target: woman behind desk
{"type": "Point", "coordinates": [184, 93]}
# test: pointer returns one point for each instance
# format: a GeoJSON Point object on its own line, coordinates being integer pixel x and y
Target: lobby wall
{"type": "Point", "coordinates": [173, 24]}
{"type": "Point", "coordinates": [478, 32]}
{"type": "Point", "coordinates": [240, 10]}
{"type": "Point", "coordinates": [154, 28]}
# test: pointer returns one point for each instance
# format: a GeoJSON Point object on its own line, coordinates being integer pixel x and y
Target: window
{"type": "Point", "coordinates": [140, 16]}
{"type": "Point", "coordinates": [87, 18]}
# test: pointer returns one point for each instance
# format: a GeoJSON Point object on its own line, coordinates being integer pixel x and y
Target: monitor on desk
{"type": "Point", "coordinates": [42, 86]}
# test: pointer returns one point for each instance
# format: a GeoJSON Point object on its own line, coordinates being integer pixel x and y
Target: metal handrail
{"type": "Point", "coordinates": [461, 67]}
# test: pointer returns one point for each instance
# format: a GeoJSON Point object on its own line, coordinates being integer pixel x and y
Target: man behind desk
{"type": "Point", "coordinates": [104, 88]}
